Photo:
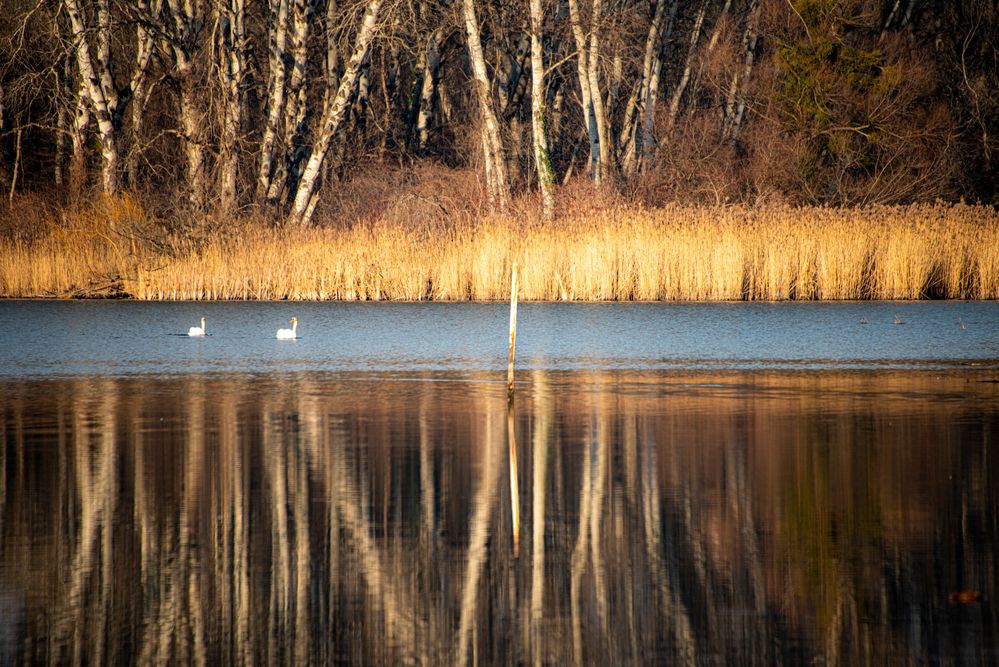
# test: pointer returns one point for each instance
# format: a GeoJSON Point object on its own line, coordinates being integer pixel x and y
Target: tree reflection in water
{"type": "Point", "coordinates": [742, 517]}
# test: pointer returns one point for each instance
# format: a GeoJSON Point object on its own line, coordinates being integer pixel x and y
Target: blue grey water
{"type": "Point", "coordinates": [67, 338]}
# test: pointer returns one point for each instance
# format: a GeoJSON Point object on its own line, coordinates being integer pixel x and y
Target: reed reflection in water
{"type": "Point", "coordinates": [332, 518]}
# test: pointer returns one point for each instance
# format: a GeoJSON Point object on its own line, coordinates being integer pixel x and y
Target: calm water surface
{"type": "Point", "coordinates": [45, 338]}
{"type": "Point", "coordinates": [674, 484]}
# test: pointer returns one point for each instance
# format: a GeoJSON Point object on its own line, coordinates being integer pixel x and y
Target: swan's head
{"type": "Point", "coordinates": [294, 320]}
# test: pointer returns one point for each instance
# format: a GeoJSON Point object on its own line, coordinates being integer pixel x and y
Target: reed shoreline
{"type": "Point", "coordinates": [621, 253]}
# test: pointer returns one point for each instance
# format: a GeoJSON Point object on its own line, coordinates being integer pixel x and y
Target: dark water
{"type": "Point", "coordinates": [324, 502]}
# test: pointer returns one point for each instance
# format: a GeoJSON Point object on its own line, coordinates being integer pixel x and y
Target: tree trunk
{"type": "Point", "coordinates": [731, 97]}
{"type": "Point", "coordinates": [231, 66]}
{"type": "Point", "coordinates": [64, 80]}
{"type": "Point", "coordinates": [191, 123]}
{"type": "Point", "coordinates": [542, 159]}
{"type": "Point", "coordinates": [333, 116]}
{"type": "Point", "coordinates": [139, 86]}
{"type": "Point", "coordinates": [646, 137]}
{"type": "Point", "coordinates": [512, 78]}
{"type": "Point", "coordinates": [695, 35]}
{"type": "Point", "coordinates": [187, 17]}
{"type": "Point", "coordinates": [332, 50]}
{"type": "Point", "coordinates": [492, 145]}
{"type": "Point", "coordinates": [275, 94]}
{"type": "Point", "coordinates": [586, 93]}
{"type": "Point", "coordinates": [428, 90]}
{"type": "Point", "coordinates": [78, 142]}
{"type": "Point", "coordinates": [104, 53]}
{"type": "Point", "coordinates": [98, 99]}
{"type": "Point", "coordinates": [603, 164]}
{"type": "Point", "coordinates": [712, 43]}
{"type": "Point", "coordinates": [630, 128]}
{"type": "Point", "coordinates": [295, 102]}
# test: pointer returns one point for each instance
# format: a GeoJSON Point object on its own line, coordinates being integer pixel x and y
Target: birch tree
{"type": "Point", "coordinates": [681, 86]}
{"type": "Point", "coordinates": [735, 104]}
{"type": "Point", "coordinates": [295, 101]}
{"type": "Point", "coordinates": [187, 19]}
{"type": "Point", "coordinates": [100, 99]}
{"type": "Point", "coordinates": [276, 55]}
{"type": "Point", "coordinates": [583, 55]}
{"type": "Point", "coordinates": [429, 78]}
{"type": "Point", "coordinates": [542, 158]}
{"type": "Point", "coordinates": [78, 134]}
{"type": "Point", "coordinates": [333, 116]}
{"type": "Point", "coordinates": [638, 125]}
{"type": "Point", "coordinates": [148, 13]}
{"type": "Point", "coordinates": [497, 183]}
{"type": "Point", "coordinates": [231, 31]}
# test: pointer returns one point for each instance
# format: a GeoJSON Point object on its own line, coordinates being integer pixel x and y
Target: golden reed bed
{"type": "Point", "coordinates": [674, 253]}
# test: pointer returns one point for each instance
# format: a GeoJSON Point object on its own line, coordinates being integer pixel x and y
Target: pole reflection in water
{"type": "Point", "coordinates": [315, 519]}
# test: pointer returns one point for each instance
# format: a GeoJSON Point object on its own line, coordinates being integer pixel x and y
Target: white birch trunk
{"type": "Point", "coordinates": [295, 100]}
{"type": "Point", "coordinates": [275, 94]}
{"type": "Point", "coordinates": [542, 158]}
{"type": "Point", "coordinates": [139, 85]}
{"type": "Point", "coordinates": [428, 89]}
{"type": "Point", "coordinates": [712, 43]}
{"type": "Point", "coordinates": [647, 135]}
{"type": "Point", "coordinates": [104, 54]}
{"type": "Point", "coordinates": [638, 100]}
{"type": "Point", "coordinates": [187, 16]}
{"type": "Point", "coordinates": [333, 116]}
{"type": "Point", "coordinates": [586, 94]}
{"type": "Point", "coordinates": [63, 81]}
{"type": "Point", "coordinates": [98, 99]}
{"type": "Point", "coordinates": [749, 49]}
{"type": "Point", "coordinates": [740, 108]}
{"type": "Point", "coordinates": [78, 141]}
{"type": "Point", "coordinates": [603, 163]}
{"type": "Point", "coordinates": [496, 177]}
{"type": "Point", "coordinates": [695, 35]}
{"type": "Point", "coordinates": [231, 67]}
{"type": "Point", "coordinates": [191, 123]}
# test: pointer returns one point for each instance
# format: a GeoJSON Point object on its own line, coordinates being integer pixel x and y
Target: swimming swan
{"type": "Point", "coordinates": [289, 333]}
{"type": "Point", "coordinates": [197, 331]}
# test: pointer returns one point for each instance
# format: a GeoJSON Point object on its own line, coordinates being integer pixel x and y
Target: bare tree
{"type": "Point", "coordinates": [497, 182]}
{"type": "Point", "coordinates": [100, 97]}
{"type": "Point", "coordinates": [542, 158]}
{"type": "Point", "coordinates": [277, 54]}
{"type": "Point", "coordinates": [333, 116]}
{"type": "Point", "coordinates": [231, 18]}
{"type": "Point", "coordinates": [186, 25]}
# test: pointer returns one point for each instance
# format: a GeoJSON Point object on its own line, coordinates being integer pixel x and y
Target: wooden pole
{"type": "Point", "coordinates": [513, 331]}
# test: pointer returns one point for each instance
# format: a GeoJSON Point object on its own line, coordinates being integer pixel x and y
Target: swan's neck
{"type": "Point", "coordinates": [203, 329]}
{"type": "Point", "coordinates": [294, 326]}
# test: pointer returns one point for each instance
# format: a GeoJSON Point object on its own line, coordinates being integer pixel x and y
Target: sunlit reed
{"type": "Point", "coordinates": [619, 253]}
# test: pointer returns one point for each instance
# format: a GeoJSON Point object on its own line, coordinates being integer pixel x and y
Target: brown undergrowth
{"type": "Point", "coordinates": [424, 247]}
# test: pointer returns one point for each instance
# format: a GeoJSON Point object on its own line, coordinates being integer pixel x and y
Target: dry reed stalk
{"type": "Point", "coordinates": [673, 253]}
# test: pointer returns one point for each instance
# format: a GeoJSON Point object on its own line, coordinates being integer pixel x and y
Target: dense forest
{"type": "Point", "coordinates": [218, 107]}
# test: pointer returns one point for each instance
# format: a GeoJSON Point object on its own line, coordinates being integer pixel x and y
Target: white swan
{"type": "Point", "coordinates": [197, 331]}
{"type": "Point", "coordinates": [289, 333]}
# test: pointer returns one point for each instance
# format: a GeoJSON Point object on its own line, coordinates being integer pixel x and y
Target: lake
{"type": "Point", "coordinates": [673, 483]}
